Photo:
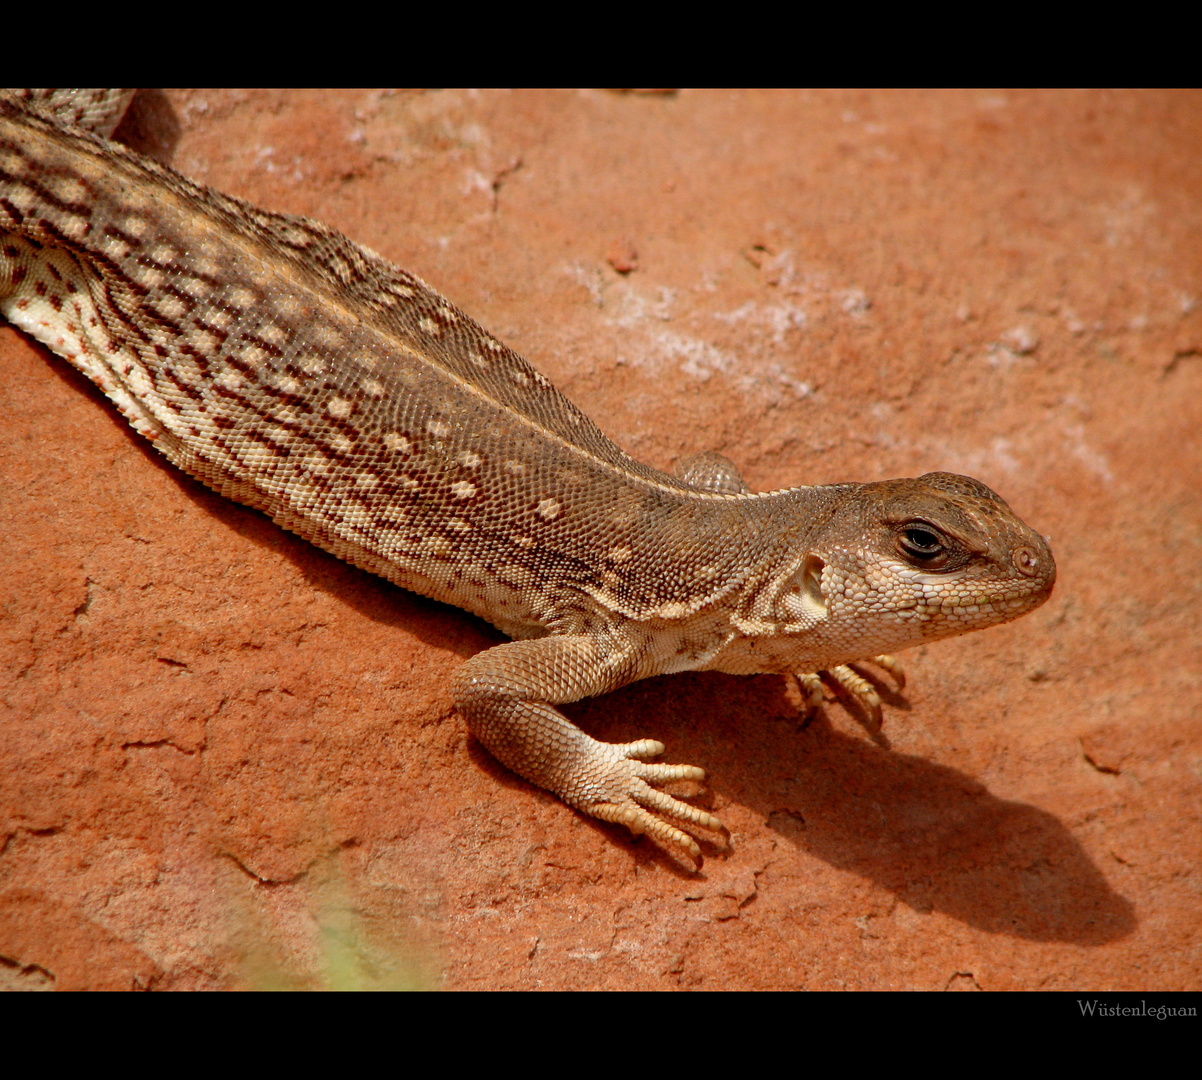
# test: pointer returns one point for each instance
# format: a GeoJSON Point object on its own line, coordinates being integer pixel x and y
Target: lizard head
{"type": "Point", "coordinates": [901, 562]}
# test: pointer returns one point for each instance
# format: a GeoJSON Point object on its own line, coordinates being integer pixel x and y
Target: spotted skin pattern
{"type": "Point", "coordinates": [297, 372]}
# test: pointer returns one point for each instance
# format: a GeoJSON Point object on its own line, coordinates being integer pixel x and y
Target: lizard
{"type": "Point", "coordinates": [302, 374]}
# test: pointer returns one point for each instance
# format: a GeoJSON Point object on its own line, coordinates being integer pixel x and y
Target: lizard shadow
{"type": "Point", "coordinates": [930, 834]}
{"type": "Point", "coordinates": [430, 621]}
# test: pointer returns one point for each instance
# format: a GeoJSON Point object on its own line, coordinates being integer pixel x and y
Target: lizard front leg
{"type": "Point", "coordinates": [507, 695]}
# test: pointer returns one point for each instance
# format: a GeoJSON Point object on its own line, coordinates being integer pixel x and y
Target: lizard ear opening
{"type": "Point", "coordinates": [802, 600]}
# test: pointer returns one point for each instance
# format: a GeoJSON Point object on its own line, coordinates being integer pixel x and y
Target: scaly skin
{"type": "Point", "coordinates": [301, 374]}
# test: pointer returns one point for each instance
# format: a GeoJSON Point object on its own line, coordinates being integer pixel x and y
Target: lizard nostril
{"type": "Point", "coordinates": [1026, 561]}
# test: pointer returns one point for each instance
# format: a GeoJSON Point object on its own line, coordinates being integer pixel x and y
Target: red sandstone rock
{"type": "Point", "coordinates": [622, 256]}
{"type": "Point", "coordinates": [227, 759]}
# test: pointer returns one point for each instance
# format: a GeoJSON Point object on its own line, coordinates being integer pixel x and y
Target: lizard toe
{"type": "Point", "coordinates": [639, 821]}
{"type": "Point", "coordinates": [811, 687]}
{"type": "Point", "coordinates": [861, 689]}
{"type": "Point", "coordinates": [683, 811]}
{"type": "Point", "coordinates": [891, 665]}
{"type": "Point", "coordinates": [658, 773]}
{"type": "Point", "coordinates": [643, 748]}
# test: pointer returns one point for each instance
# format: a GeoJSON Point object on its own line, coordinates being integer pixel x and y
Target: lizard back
{"type": "Point", "coordinates": [302, 374]}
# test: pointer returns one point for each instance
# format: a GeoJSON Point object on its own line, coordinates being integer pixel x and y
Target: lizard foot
{"type": "Point", "coordinates": [858, 687]}
{"type": "Point", "coordinates": [627, 797]}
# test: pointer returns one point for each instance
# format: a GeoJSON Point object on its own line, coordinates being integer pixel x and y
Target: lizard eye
{"type": "Point", "coordinates": [922, 544]}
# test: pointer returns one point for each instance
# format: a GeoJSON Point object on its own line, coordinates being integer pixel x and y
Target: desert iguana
{"type": "Point", "coordinates": [297, 372]}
